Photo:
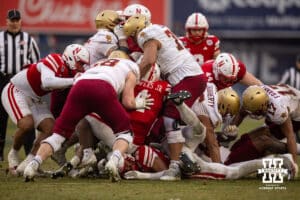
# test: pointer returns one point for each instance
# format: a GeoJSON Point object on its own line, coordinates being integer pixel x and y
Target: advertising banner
{"type": "Point", "coordinates": [244, 18]}
{"type": "Point", "coordinates": [70, 16]}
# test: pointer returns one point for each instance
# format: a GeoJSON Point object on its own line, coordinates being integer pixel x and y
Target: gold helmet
{"type": "Point", "coordinates": [107, 19]}
{"type": "Point", "coordinates": [135, 24]}
{"type": "Point", "coordinates": [255, 100]}
{"type": "Point", "coordinates": [228, 102]}
{"type": "Point", "coordinates": [118, 54]}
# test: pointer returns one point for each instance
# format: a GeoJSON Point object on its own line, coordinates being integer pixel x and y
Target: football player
{"type": "Point", "coordinates": [22, 97]}
{"type": "Point", "coordinates": [102, 43]}
{"type": "Point", "coordinates": [279, 104]}
{"type": "Point", "coordinates": [226, 71]}
{"type": "Point", "coordinates": [198, 41]}
{"type": "Point", "coordinates": [178, 67]}
{"type": "Point", "coordinates": [114, 76]}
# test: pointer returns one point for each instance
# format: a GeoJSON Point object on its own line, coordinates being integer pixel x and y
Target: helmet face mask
{"type": "Point", "coordinates": [107, 19]}
{"type": "Point", "coordinates": [226, 68]}
{"type": "Point", "coordinates": [255, 102]}
{"type": "Point", "coordinates": [75, 56]}
{"type": "Point", "coordinates": [228, 102]}
{"type": "Point", "coordinates": [196, 21]}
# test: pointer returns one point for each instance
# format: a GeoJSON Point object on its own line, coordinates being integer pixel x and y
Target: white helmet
{"type": "Point", "coordinates": [196, 21]}
{"type": "Point", "coordinates": [225, 66]}
{"type": "Point", "coordinates": [134, 9]}
{"type": "Point", "coordinates": [75, 53]}
{"type": "Point", "coordinates": [153, 74]}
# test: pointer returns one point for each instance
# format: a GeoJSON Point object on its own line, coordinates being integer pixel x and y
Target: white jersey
{"type": "Point", "coordinates": [114, 71]}
{"type": "Point", "coordinates": [100, 43]}
{"type": "Point", "coordinates": [209, 105]}
{"type": "Point", "coordinates": [284, 102]}
{"type": "Point", "coordinates": [174, 60]}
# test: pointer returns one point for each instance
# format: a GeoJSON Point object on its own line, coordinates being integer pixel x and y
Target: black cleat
{"type": "Point", "coordinates": [178, 97]}
{"type": "Point", "coordinates": [187, 165]}
{"type": "Point", "coordinates": [63, 171]}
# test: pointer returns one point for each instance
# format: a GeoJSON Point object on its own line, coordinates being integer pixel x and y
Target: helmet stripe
{"type": "Point", "coordinates": [196, 20]}
{"type": "Point", "coordinates": [233, 64]}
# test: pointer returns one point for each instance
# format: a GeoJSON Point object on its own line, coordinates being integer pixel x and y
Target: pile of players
{"type": "Point", "coordinates": [145, 104]}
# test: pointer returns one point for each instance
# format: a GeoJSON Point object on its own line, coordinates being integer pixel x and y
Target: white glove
{"type": "Point", "coordinates": [143, 100]}
{"type": "Point", "coordinates": [131, 175]}
{"type": "Point", "coordinates": [231, 131]}
{"type": "Point", "coordinates": [118, 30]}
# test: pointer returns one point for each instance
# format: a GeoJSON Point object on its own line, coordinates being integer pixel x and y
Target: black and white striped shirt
{"type": "Point", "coordinates": [17, 51]}
{"type": "Point", "coordinates": [291, 77]}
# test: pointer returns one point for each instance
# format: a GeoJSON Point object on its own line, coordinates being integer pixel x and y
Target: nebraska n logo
{"type": "Point", "coordinates": [272, 170]}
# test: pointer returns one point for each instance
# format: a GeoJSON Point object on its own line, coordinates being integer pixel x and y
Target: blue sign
{"type": "Point", "coordinates": [234, 18]}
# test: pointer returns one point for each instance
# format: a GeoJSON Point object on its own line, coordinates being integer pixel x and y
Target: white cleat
{"type": "Point", "coordinates": [31, 170]}
{"type": "Point", "coordinates": [113, 171]}
{"type": "Point", "coordinates": [171, 174]}
{"type": "Point", "coordinates": [21, 167]}
{"type": "Point", "coordinates": [89, 159]}
{"type": "Point", "coordinates": [130, 175]}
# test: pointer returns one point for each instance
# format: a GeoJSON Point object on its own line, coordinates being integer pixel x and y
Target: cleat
{"type": "Point", "coordinates": [31, 170]}
{"type": "Point", "coordinates": [187, 165]}
{"type": "Point", "coordinates": [171, 174]}
{"type": "Point", "coordinates": [112, 171]}
{"type": "Point", "coordinates": [89, 159]}
{"type": "Point", "coordinates": [179, 97]}
{"type": "Point", "coordinates": [20, 169]}
{"type": "Point", "coordinates": [63, 171]}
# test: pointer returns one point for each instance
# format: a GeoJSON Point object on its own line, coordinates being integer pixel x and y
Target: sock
{"type": "Point", "coordinates": [116, 156]}
{"type": "Point", "coordinates": [38, 159]}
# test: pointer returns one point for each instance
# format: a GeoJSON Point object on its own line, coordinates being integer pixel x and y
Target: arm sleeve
{"type": "Point", "coordinates": [50, 81]}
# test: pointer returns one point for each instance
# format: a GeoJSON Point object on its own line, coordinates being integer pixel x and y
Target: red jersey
{"type": "Point", "coordinates": [133, 46]}
{"type": "Point", "coordinates": [55, 63]}
{"type": "Point", "coordinates": [207, 68]}
{"type": "Point", "coordinates": [143, 119]}
{"type": "Point", "coordinates": [203, 51]}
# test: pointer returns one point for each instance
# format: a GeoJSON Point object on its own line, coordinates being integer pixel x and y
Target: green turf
{"type": "Point", "coordinates": [67, 188]}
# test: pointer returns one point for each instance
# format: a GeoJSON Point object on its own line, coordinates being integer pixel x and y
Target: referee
{"type": "Point", "coordinates": [17, 48]}
{"type": "Point", "coordinates": [292, 75]}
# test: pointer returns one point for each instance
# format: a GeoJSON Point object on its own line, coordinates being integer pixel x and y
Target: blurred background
{"type": "Point", "coordinates": [264, 34]}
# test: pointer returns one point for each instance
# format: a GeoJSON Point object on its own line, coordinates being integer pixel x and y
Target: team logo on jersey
{"type": "Point", "coordinates": [209, 42]}
{"type": "Point", "coordinates": [142, 34]}
{"type": "Point", "coordinates": [108, 38]}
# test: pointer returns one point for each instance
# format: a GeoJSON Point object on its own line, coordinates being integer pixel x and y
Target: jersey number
{"type": "Point", "coordinates": [178, 44]}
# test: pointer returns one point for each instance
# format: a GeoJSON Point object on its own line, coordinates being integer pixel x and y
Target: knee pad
{"type": "Point", "coordinates": [175, 137]}
{"type": "Point", "coordinates": [55, 141]}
